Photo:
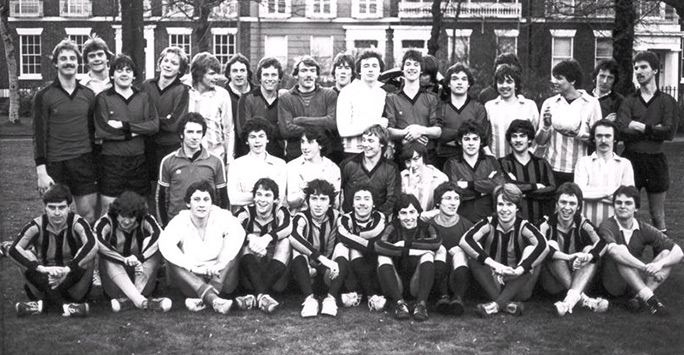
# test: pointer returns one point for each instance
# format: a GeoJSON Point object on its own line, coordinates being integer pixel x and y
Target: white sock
{"type": "Point", "coordinates": [572, 298]}
{"type": "Point", "coordinates": [644, 294]}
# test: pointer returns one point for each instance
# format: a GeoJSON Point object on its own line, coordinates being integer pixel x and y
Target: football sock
{"type": "Point", "coordinates": [274, 271]}
{"type": "Point", "coordinates": [459, 281]}
{"type": "Point", "coordinates": [572, 298]}
{"type": "Point", "coordinates": [300, 270]}
{"type": "Point", "coordinates": [644, 294]}
{"type": "Point", "coordinates": [440, 278]}
{"type": "Point", "coordinates": [426, 275]}
{"type": "Point", "coordinates": [249, 263]}
{"type": "Point", "coordinates": [338, 282]}
{"type": "Point", "coordinates": [124, 283]}
{"type": "Point", "coordinates": [365, 275]}
{"type": "Point", "coordinates": [389, 282]}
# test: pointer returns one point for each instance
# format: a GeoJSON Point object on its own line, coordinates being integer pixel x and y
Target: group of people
{"type": "Point", "coordinates": [258, 185]}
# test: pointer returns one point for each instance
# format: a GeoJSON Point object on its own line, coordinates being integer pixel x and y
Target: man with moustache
{"type": "Point", "coordinates": [263, 102]}
{"type": "Point", "coordinates": [601, 173]}
{"type": "Point", "coordinates": [307, 103]}
{"type": "Point", "coordinates": [63, 132]}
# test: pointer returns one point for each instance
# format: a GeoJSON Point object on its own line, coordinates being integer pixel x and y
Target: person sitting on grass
{"type": "Point", "coordinates": [200, 246]}
{"type": "Point", "coordinates": [314, 241]}
{"type": "Point", "coordinates": [127, 242]}
{"type": "Point", "coordinates": [508, 268]}
{"type": "Point", "coordinates": [358, 230]}
{"type": "Point", "coordinates": [55, 252]}
{"type": "Point", "coordinates": [266, 252]}
{"type": "Point", "coordinates": [575, 249]}
{"type": "Point", "coordinates": [451, 263]}
{"type": "Point", "coordinates": [406, 254]}
{"type": "Point", "coordinates": [627, 238]}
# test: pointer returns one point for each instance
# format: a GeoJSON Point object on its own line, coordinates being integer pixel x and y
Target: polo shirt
{"type": "Point", "coordinates": [454, 118]}
{"type": "Point", "coordinates": [642, 235]}
{"type": "Point", "coordinates": [501, 113]}
{"type": "Point", "coordinates": [300, 172]}
{"type": "Point", "coordinates": [359, 107]}
{"type": "Point", "coordinates": [423, 110]}
{"type": "Point", "coordinates": [383, 178]}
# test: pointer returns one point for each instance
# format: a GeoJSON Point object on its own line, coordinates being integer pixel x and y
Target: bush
{"type": "Point", "coordinates": [25, 103]}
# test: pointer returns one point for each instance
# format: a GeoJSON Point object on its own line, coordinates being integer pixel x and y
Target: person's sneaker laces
{"type": "Point", "coordinates": [309, 307]}
{"type": "Point", "coordinates": [329, 306]}
{"type": "Point", "coordinates": [97, 282]}
{"type": "Point", "coordinates": [246, 302]}
{"type": "Point", "coordinates": [401, 310]}
{"type": "Point", "coordinates": [267, 303]}
{"type": "Point", "coordinates": [221, 305]}
{"type": "Point", "coordinates": [351, 299]}
{"type": "Point", "coordinates": [656, 307]}
{"type": "Point", "coordinates": [29, 308]}
{"type": "Point", "coordinates": [597, 305]}
{"type": "Point", "coordinates": [442, 305]}
{"type": "Point", "coordinates": [121, 304]}
{"type": "Point", "coordinates": [377, 303]}
{"type": "Point", "coordinates": [194, 304]}
{"type": "Point", "coordinates": [162, 304]}
{"type": "Point", "coordinates": [75, 310]}
{"type": "Point", "coordinates": [420, 312]}
{"type": "Point", "coordinates": [515, 308]}
{"type": "Point", "coordinates": [487, 309]}
{"type": "Point", "coordinates": [562, 308]}
{"type": "Point", "coordinates": [456, 306]}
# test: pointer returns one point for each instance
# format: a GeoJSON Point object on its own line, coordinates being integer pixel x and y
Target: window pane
{"type": "Point", "coordinates": [562, 47]}
{"type": "Point", "coordinates": [604, 47]}
{"type": "Point", "coordinates": [506, 45]}
{"type": "Point", "coordinates": [276, 46]}
{"type": "Point", "coordinates": [30, 54]}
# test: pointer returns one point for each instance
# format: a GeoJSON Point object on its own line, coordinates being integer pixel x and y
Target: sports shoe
{"type": "Point", "coordinates": [246, 302]}
{"type": "Point", "coordinates": [309, 307]}
{"type": "Point", "coordinates": [194, 304]}
{"type": "Point", "coordinates": [656, 307]}
{"type": "Point", "coordinates": [267, 303]}
{"type": "Point", "coordinates": [162, 304]}
{"type": "Point", "coordinates": [442, 305]}
{"type": "Point", "coordinates": [329, 306]}
{"type": "Point", "coordinates": [351, 299]}
{"type": "Point", "coordinates": [75, 310]}
{"type": "Point", "coordinates": [515, 308]}
{"type": "Point", "coordinates": [97, 282]}
{"type": "Point", "coordinates": [5, 247]}
{"type": "Point", "coordinates": [401, 310]}
{"type": "Point", "coordinates": [487, 309]}
{"type": "Point", "coordinates": [29, 308]}
{"type": "Point", "coordinates": [562, 308]}
{"type": "Point", "coordinates": [597, 305]}
{"type": "Point", "coordinates": [121, 304]}
{"type": "Point", "coordinates": [456, 306]}
{"type": "Point", "coordinates": [377, 303]}
{"type": "Point", "coordinates": [221, 305]}
{"type": "Point", "coordinates": [420, 312]}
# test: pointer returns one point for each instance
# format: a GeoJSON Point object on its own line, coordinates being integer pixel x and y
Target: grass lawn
{"type": "Point", "coordinates": [354, 331]}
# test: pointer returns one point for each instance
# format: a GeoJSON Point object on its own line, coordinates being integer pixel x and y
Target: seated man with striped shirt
{"type": "Point", "coordinates": [601, 173]}
{"type": "Point", "coordinates": [505, 254]}
{"type": "Point", "coordinates": [55, 252]}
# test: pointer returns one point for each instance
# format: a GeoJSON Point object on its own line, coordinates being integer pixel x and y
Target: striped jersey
{"type": "Point", "coordinates": [278, 226]}
{"type": "Point", "coordinates": [536, 202]}
{"type": "Point", "coordinates": [580, 235]}
{"type": "Point", "coordinates": [423, 237]}
{"type": "Point", "coordinates": [312, 238]}
{"type": "Point", "coordinates": [114, 244]}
{"type": "Point", "coordinates": [360, 235]}
{"type": "Point", "coordinates": [501, 113]}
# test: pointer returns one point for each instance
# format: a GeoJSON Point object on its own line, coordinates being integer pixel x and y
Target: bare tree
{"type": "Point", "coordinates": [132, 25]}
{"type": "Point", "coordinates": [438, 9]}
{"type": "Point", "coordinates": [11, 60]}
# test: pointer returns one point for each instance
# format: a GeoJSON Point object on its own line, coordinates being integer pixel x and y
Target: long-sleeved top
{"type": "Point", "coordinates": [660, 115]}
{"type": "Point", "coordinates": [422, 237]}
{"type": "Point", "coordinates": [251, 105]}
{"type": "Point", "coordinates": [300, 172]}
{"type": "Point", "coordinates": [182, 244]}
{"type": "Point", "coordinates": [171, 104]}
{"type": "Point", "coordinates": [63, 126]}
{"type": "Point", "coordinates": [423, 184]}
{"type": "Point", "coordinates": [383, 178]}
{"type": "Point", "coordinates": [536, 202]}
{"type": "Point", "coordinates": [581, 114]}
{"type": "Point", "coordinates": [423, 110]}
{"type": "Point", "coordinates": [312, 238]}
{"type": "Point", "coordinates": [580, 235]}
{"type": "Point", "coordinates": [137, 115]}
{"type": "Point", "coordinates": [454, 118]}
{"type": "Point", "coordinates": [96, 84]}
{"type": "Point", "coordinates": [637, 238]}
{"type": "Point", "coordinates": [39, 244]}
{"type": "Point", "coordinates": [598, 179]}
{"type": "Point", "coordinates": [501, 113]}
{"type": "Point", "coordinates": [476, 200]}
{"type": "Point", "coordinates": [610, 103]}
{"type": "Point", "coordinates": [359, 106]}
{"type": "Point", "coordinates": [278, 227]}
{"type": "Point", "coordinates": [359, 235]}
{"type": "Point", "coordinates": [294, 112]}
{"type": "Point", "coordinates": [178, 171]}
{"type": "Point", "coordinates": [247, 170]}
{"type": "Point", "coordinates": [451, 234]}
{"type": "Point", "coordinates": [115, 244]}
{"type": "Point", "coordinates": [215, 106]}
{"type": "Point", "coordinates": [487, 239]}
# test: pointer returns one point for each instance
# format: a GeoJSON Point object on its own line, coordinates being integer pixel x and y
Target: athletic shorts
{"type": "Point", "coordinates": [77, 173]}
{"type": "Point", "coordinates": [650, 171]}
{"type": "Point", "coordinates": [122, 173]}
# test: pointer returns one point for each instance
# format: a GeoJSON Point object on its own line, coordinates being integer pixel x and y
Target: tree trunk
{"type": "Point", "coordinates": [433, 42]}
{"type": "Point", "coordinates": [11, 61]}
{"type": "Point", "coordinates": [132, 27]}
{"type": "Point", "coordinates": [202, 32]}
{"type": "Point", "coordinates": [623, 43]}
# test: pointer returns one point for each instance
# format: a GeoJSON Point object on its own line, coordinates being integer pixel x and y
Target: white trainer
{"type": "Point", "coordinates": [310, 307]}
{"type": "Point", "coordinates": [329, 306]}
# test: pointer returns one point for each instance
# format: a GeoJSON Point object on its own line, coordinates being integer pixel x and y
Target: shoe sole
{"type": "Point", "coordinates": [456, 308]}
